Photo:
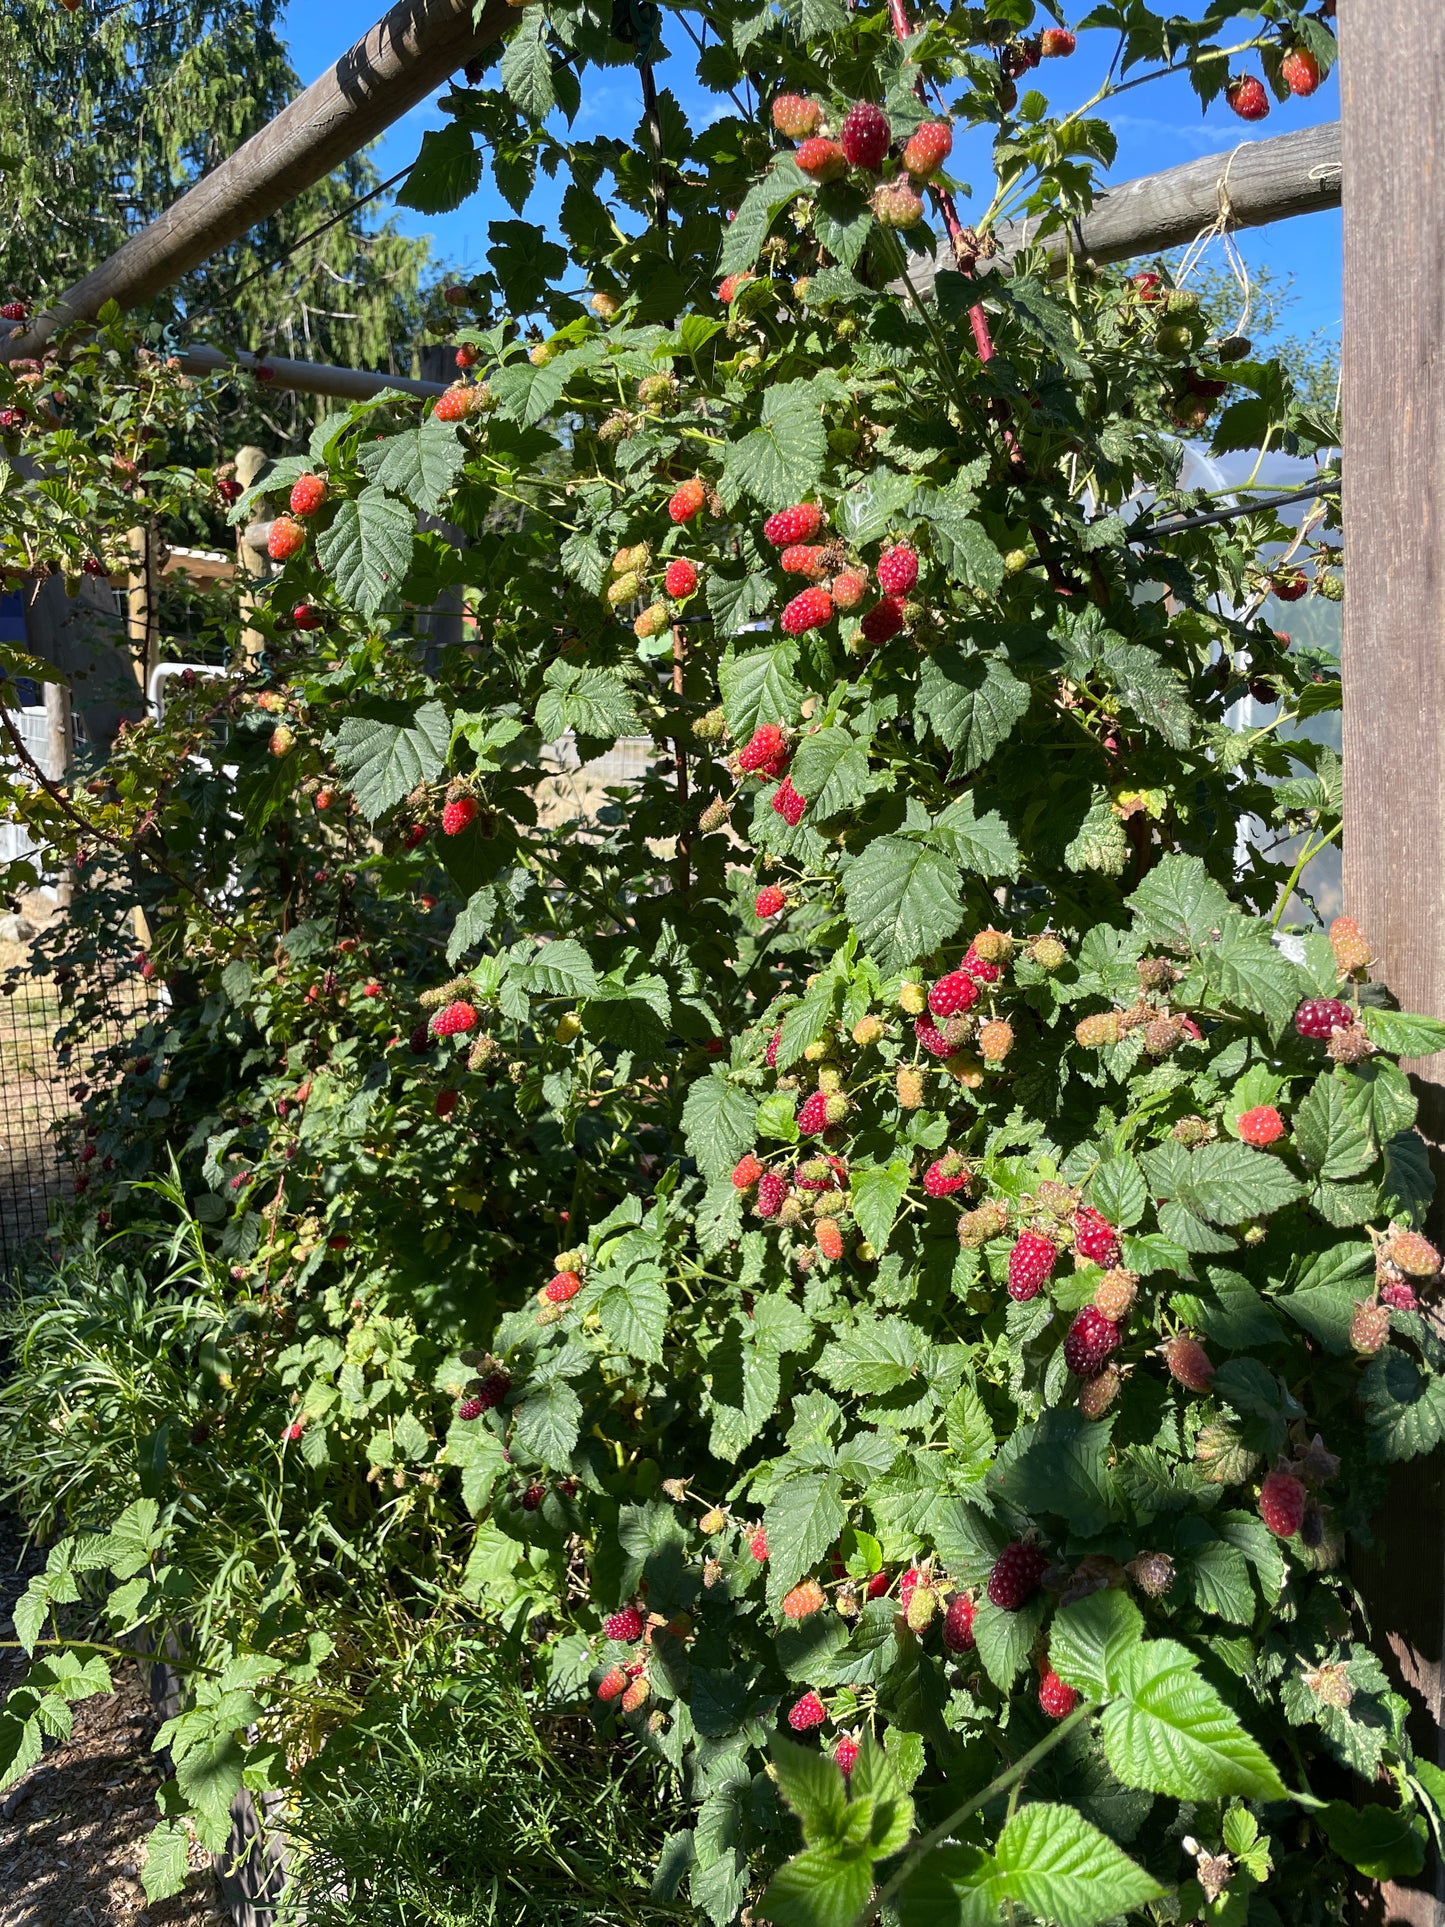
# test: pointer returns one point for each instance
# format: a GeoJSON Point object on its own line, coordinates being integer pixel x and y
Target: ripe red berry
{"type": "Point", "coordinates": [1300, 71]}
{"type": "Point", "coordinates": [1095, 1238]}
{"type": "Point", "coordinates": [1263, 1125]}
{"type": "Point", "coordinates": [470, 1408]}
{"type": "Point", "coordinates": [797, 524]}
{"type": "Point", "coordinates": [772, 1190]}
{"type": "Point", "coordinates": [12, 419]}
{"type": "Point", "coordinates": [795, 116]}
{"type": "Point", "coordinates": [931, 1037]}
{"type": "Point", "coordinates": [455, 405]}
{"type": "Point", "coordinates": [766, 751]}
{"type": "Point", "coordinates": [1318, 1016]}
{"type": "Point", "coordinates": [845, 1754]}
{"type": "Point", "coordinates": [945, 1175]}
{"type": "Point", "coordinates": [758, 1545]}
{"type": "Point", "coordinates": [446, 1103]}
{"type": "Point", "coordinates": [928, 148]}
{"type": "Point", "coordinates": [1056, 43]}
{"type": "Point", "coordinates": [830, 1239]}
{"type": "Point", "coordinates": [729, 286]}
{"type": "Point", "coordinates": [1091, 1339]}
{"type": "Point", "coordinates": [563, 1286]}
{"type": "Point", "coordinates": [1188, 1362]}
{"type": "Point", "coordinates": [229, 490]}
{"type": "Point", "coordinates": [286, 537]}
{"type": "Point", "coordinates": [452, 1018]}
{"type": "Point", "coordinates": [810, 610]}
{"type": "Point", "coordinates": [1282, 1504]}
{"type": "Point", "coordinates": [771, 1053]}
{"type": "Point", "coordinates": [789, 804]}
{"type": "Point", "coordinates": [680, 579]}
{"type": "Point", "coordinates": [953, 994]}
{"type": "Point", "coordinates": [822, 160]}
{"type": "Point", "coordinates": [687, 500]}
{"type": "Point", "coordinates": [1246, 96]}
{"type": "Point", "coordinates": [883, 621]}
{"type": "Point", "coordinates": [865, 135]}
{"type": "Point", "coordinates": [625, 1627]}
{"type": "Point", "coordinates": [958, 1624]}
{"type": "Point", "coordinates": [307, 495]}
{"type": "Point", "coordinates": [1398, 1295]}
{"type": "Point", "coordinates": [1030, 1263]}
{"type": "Point", "coordinates": [12, 311]}
{"type": "Point", "coordinates": [770, 901]}
{"type": "Point", "coordinates": [1056, 1698]}
{"type": "Point", "coordinates": [813, 1115]}
{"type": "Point", "coordinates": [306, 616]}
{"type": "Point", "coordinates": [898, 570]}
{"type": "Point", "coordinates": [746, 1172]}
{"type": "Point", "coordinates": [613, 1684]}
{"type": "Point", "coordinates": [808, 1712]}
{"type": "Point", "coordinates": [466, 356]}
{"type": "Point", "coordinates": [907, 1585]}
{"type": "Point", "coordinates": [1289, 585]}
{"type": "Point", "coordinates": [1016, 1576]}
{"type": "Point", "coordinates": [460, 812]}
{"type": "Point", "coordinates": [801, 558]}
{"type": "Point", "coordinates": [492, 1390]}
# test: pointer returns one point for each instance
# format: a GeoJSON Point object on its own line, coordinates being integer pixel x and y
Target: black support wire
{"type": "Point", "coordinates": [1208, 516]}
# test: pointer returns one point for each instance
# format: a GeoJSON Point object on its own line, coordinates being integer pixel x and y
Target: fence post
{"type": "Point", "coordinates": [142, 602]}
{"type": "Point", "coordinates": [57, 762]}
{"type": "Point", "coordinates": [1393, 398]}
{"type": "Point", "coordinates": [251, 562]}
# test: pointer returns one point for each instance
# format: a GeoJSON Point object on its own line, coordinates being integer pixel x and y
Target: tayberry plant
{"type": "Point", "coordinates": [938, 1258]}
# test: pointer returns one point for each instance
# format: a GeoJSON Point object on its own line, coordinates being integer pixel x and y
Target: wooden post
{"type": "Point", "coordinates": [143, 623]}
{"type": "Point", "coordinates": [251, 559]}
{"type": "Point", "coordinates": [1393, 397]}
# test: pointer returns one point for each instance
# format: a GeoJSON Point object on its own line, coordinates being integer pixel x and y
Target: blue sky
{"type": "Point", "coordinates": [1158, 126]}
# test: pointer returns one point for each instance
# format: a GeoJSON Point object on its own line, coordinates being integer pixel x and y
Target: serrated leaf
{"type": "Point", "coordinates": [1384, 1843]}
{"type": "Point", "coordinates": [1050, 1860]}
{"type": "Point", "coordinates": [717, 1121]}
{"type": "Point", "coordinates": [755, 213]}
{"type": "Point", "coordinates": [384, 757]}
{"type": "Point", "coordinates": [783, 458]}
{"type": "Point", "coordinates": [1332, 1127]}
{"type": "Point", "coordinates": [447, 171]}
{"type": "Point", "coordinates": [972, 703]}
{"type": "Point", "coordinates": [876, 1192]}
{"type": "Point", "coordinates": [983, 844]}
{"type": "Point", "coordinates": [547, 1422]}
{"type": "Point", "coordinates": [1402, 1033]}
{"type": "Point", "coordinates": [759, 687]}
{"type": "Point", "coordinates": [904, 900]}
{"type": "Point", "coordinates": [1168, 1731]}
{"type": "Point", "coordinates": [961, 543]}
{"type": "Point", "coordinates": [559, 969]}
{"type": "Point", "coordinates": [167, 1860]}
{"type": "Point", "coordinates": [633, 1310]}
{"type": "Point", "coordinates": [812, 1786]}
{"type": "Point", "coordinates": [734, 601]}
{"type": "Point", "coordinates": [366, 550]}
{"type": "Point", "coordinates": [802, 1519]}
{"type": "Point", "coordinates": [1004, 1639]}
{"type": "Point", "coordinates": [1059, 1465]}
{"type": "Point", "coordinates": [527, 69]}
{"type": "Point", "coordinates": [1117, 1190]}
{"type": "Point", "coordinates": [594, 703]}
{"type": "Point", "coordinates": [420, 463]}
{"type": "Point", "coordinates": [831, 770]}
{"type": "Point", "coordinates": [1089, 1638]}
{"type": "Point", "coordinates": [821, 1887]}
{"type": "Point", "coordinates": [1247, 970]}
{"type": "Point", "coordinates": [1179, 904]}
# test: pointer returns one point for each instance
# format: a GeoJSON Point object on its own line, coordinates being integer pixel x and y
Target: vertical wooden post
{"type": "Point", "coordinates": [143, 602]}
{"type": "Point", "coordinates": [251, 563]}
{"type": "Point", "coordinates": [1393, 397]}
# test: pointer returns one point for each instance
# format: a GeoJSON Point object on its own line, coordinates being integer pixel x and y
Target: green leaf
{"type": "Point", "coordinates": [1118, 1191]}
{"type": "Point", "coordinates": [384, 757]}
{"type": "Point", "coordinates": [1089, 1638]}
{"type": "Point", "coordinates": [982, 844]}
{"type": "Point", "coordinates": [559, 969]}
{"type": "Point", "coordinates": [875, 1356]}
{"type": "Point", "coordinates": [1059, 1465]}
{"type": "Point", "coordinates": [595, 703]}
{"type": "Point", "coordinates": [1005, 1639]}
{"type": "Point", "coordinates": [717, 1121]}
{"type": "Point", "coordinates": [733, 601]}
{"type": "Point", "coordinates": [527, 69]}
{"type": "Point", "coordinates": [420, 463]}
{"type": "Point", "coordinates": [748, 229]}
{"type": "Point", "coordinates": [876, 1191]}
{"type": "Point", "coordinates": [1224, 1182]}
{"type": "Point", "coordinates": [831, 770]}
{"type": "Point", "coordinates": [1167, 1731]}
{"type": "Point", "coordinates": [1401, 1033]}
{"type": "Point", "coordinates": [952, 1887]}
{"type": "Point", "coordinates": [781, 459]}
{"type": "Point", "coordinates": [1384, 1843]}
{"type": "Point", "coordinates": [448, 170]}
{"type": "Point", "coordinates": [802, 1519]}
{"type": "Point", "coordinates": [1179, 904]}
{"type": "Point", "coordinates": [960, 542]}
{"type": "Point", "coordinates": [812, 1786]}
{"type": "Point", "coordinates": [759, 687]}
{"type": "Point", "coordinates": [633, 1310]}
{"type": "Point", "coordinates": [367, 549]}
{"type": "Point", "coordinates": [904, 900]}
{"type": "Point", "coordinates": [1332, 1127]}
{"type": "Point", "coordinates": [822, 1887]}
{"type": "Point", "coordinates": [547, 1422]}
{"type": "Point", "coordinates": [167, 1860]}
{"type": "Point", "coordinates": [1050, 1860]}
{"type": "Point", "coordinates": [971, 703]}
{"type": "Point", "coordinates": [1247, 970]}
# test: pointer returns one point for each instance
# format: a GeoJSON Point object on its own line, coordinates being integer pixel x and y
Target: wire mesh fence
{"type": "Point", "coordinates": [48, 1058]}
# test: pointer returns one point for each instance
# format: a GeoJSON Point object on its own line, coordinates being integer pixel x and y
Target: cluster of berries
{"type": "Point", "coordinates": [628, 577]}
{"type": "Point", "coordinates": [1298, 69]}
{"type": "Point", "coordinates": [838, 585]}
{"type": "Point", "coordinates": [863, 144]}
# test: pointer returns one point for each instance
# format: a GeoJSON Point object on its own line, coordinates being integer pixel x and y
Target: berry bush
{"type": "Point", "coordinates": [921, 1285]}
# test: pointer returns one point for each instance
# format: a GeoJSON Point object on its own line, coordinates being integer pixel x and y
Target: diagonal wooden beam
{"type": "Point", "coordinates": [307, 377]}
{"type": "Point", "coordinates": [407, 53]}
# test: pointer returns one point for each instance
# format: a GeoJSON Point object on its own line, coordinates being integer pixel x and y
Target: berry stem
{"type": "Point", "coordinates": [679, 755]}
{"type": "Point", "coordinates": [1009, 1778]}
{"type": "Point", "coordinates": [1307, 854]}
